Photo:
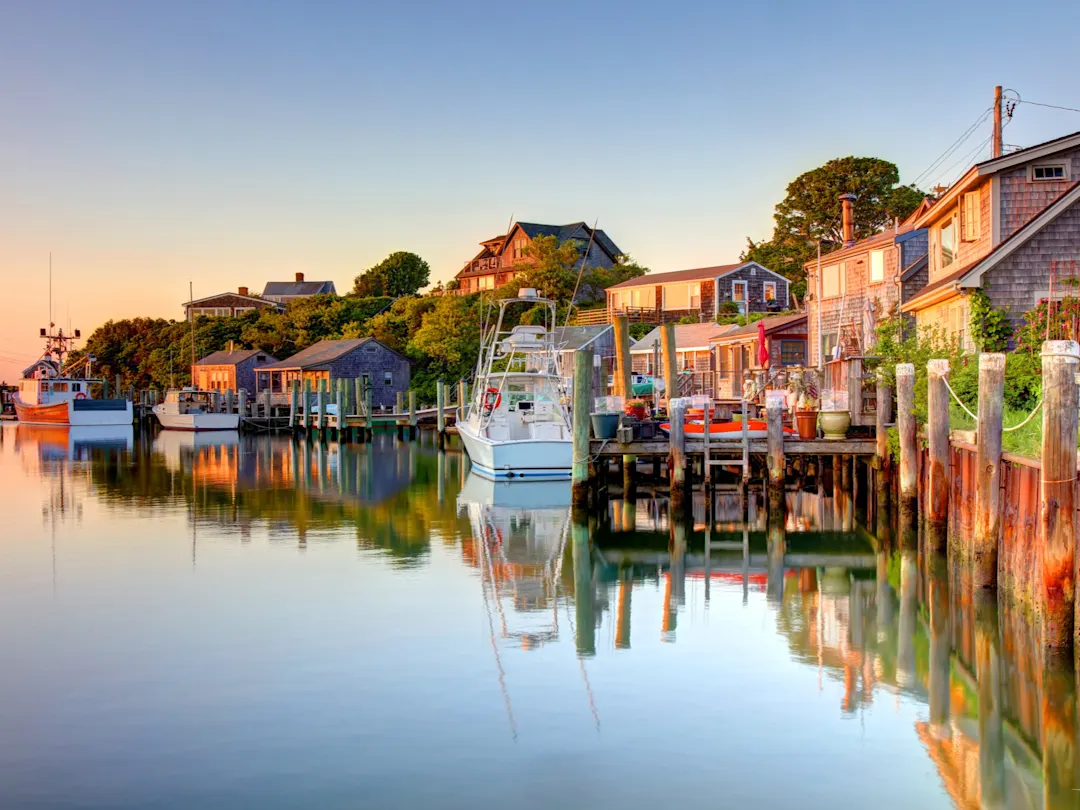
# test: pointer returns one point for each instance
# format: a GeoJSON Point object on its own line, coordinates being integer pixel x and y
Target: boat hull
{"type": "Point", "coordinates": [536, 459]}
{"type": "Point", "coordinates": [196, 422]}
{"type": "Point", "coordinates": [75, 414]}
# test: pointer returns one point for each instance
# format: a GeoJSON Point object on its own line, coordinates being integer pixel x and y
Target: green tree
{"type": "Point", "coordinates": [400, 273]}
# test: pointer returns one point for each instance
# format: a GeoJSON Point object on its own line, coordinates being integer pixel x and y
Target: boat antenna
{"type": "Point", "coordinates": [581, 272]}
{"type": "Point", "coordinates": [191, 320]}
{"type": "Point", "coordinates": [50, 293]}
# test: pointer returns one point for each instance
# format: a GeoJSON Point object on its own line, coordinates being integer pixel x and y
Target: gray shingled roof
{"type": "Point", "coordinates": [298, 288]}
{"type": "Point", "coordinates": [227, 358]}
{"type": "Point", "coordinates": [572, 338]}
{"type": "Point", "coordinates": [687, 336]}
{"type": "Point", "coordinates": [323, 353]}
{"type": "Point", "coordinates": [575, 230]}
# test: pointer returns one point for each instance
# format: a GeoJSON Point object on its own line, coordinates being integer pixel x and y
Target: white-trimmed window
{"type": "Point", "coordinates": [832, 280]}
{"type": "Point", "coordinates": [970, 216]}
{"type": "Point", "coordinates": [738, 294]}
{"type": "Point", "coordinates": [388, 378]}
{"type": "Point", "coordinates": [695, 294]}
{"type": "Point", "coordinates": [770, 290]}
{"type": "Point", "coordinates": [947, 243]}
{"type": "Point", "coordinates": [485, 283]}
{"type": "Point", "coordinates": [1048, 172]}
{"type": "Point", "coordinates": [877, 266]}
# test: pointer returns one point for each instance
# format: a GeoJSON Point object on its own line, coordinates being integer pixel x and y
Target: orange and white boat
{"type": "Point", "coordinates": [50, 394]}
{"type": "Point", "coordinates": [726, 431]}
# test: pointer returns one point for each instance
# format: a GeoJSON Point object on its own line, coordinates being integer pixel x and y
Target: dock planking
{"type": "Point", "coordinates": [797, 447]}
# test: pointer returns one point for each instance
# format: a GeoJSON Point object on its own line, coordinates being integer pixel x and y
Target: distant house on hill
{"type": "Point", "coordinates": [283, 292]}
{"type": "Point", "coordinates": [379, 366]}
{"type": "Point", "coordinates": [495, 264]}
{"type": "Point", "coordinates": [230, 369]}
{"type": "Point", "coordinates": [699, 293]}
{"type": "Point", "coordinates": [226, 305]}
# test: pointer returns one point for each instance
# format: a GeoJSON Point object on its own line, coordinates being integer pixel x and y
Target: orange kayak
{"type": "Point", "coordinates": [755, 429]}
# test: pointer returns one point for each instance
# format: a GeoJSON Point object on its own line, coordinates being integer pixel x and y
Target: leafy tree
{"type": "Point", "coordinates": [597, 279]}
{"type": "Point", "coordinates": [811, 212]}
{"type": "Point", "coordinates": [400, 273]}
{"type": "Point", "coordinates": [401, 321]}
{"type": "Point", "coordinates": [550, 266]}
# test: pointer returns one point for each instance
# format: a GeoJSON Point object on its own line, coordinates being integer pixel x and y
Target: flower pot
{"type": "Point", "coordinates": [806, 423]}
{"type": "Point", "coordinates": [835, 424]}
{"type": "Point", "coordinates": [605, 425]}
{"type": "Point", "coordinates": [639, 412]}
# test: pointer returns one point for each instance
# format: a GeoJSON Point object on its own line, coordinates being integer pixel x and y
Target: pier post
{"type": "Point", "coordinates": [369, 424]}
{"type": "Point", "coordinates": [905, 422]}
{"type": "Point", "coordinates": [677, 459]}
{"type": "Point", "coordinates": [229, 401]}
{"type": "Point", "coordinates": [440, 412]}
{"type": "Point", "coordinates": [937, 430]}
{"type": "Point", "coordinates": [667, 352]}
{"type": "Point", "coordinates": [412, 414]}
{"type": "Point", "coordinates": [623, 388]}
{"type": "Point", "coordinates": [462, 398]}
{"type": "Point", "coordinates": [307, 405]}
{"type": "Point", "coordinates": [774, 420]}
{"type": "Point", "coordinates": [339, 403]}
{"type": "Point", "coordinates": [399, 409]}
{"type": "Point", "coordinates": [1057, 518]}
{"type": "Point", "coordinates": [582, 390]}
{"type": "Point", "coordinates": [266, 406]}
{"type": "Point", "coordinates": [358, 407]}
{"type": "Point", "coordinates": [882, 417]}
{"type": "Point", "coordinates": [293, 412]}
{"type": "Point", "coordinates": [988, 470]}
{"type": "Point", "coordinates": [320, 402]}
{"type": "Point", "coordinates": [241, 403]}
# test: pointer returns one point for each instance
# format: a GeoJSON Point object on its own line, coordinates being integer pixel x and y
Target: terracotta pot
{"type": "Point", "coordinates": [639, 412]}
{"type": "Point", "coordinates": [835, 424]}
{"type": "Point", "coordinates": [806, 423]}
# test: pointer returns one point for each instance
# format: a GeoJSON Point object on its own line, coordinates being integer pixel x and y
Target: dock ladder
{"type": "Point", "coordinates": [710, 460]}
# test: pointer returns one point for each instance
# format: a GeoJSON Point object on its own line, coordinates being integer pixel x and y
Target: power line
{"type": "Point", "coordinates": [955, 145]}
{"type": "Point", "coordinates": [1050, 106]}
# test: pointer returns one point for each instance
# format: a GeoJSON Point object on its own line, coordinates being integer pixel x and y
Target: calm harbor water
{"type": "Point", "coordinates": [222, 621]}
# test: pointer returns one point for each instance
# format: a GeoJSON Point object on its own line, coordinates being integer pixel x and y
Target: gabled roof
{"type": "Point", "coordinates": [322, 354]}
{"type": "Point", "coordinates": [697, 274]}
{"type": "Point", "coordinates": [571, 338]}
{"type": "Point", "coordinates": [885, 238]}
{"type": "Point", "coordinates": [777, 323]}
{"type": "Point", "coordinates": [575, 230]}
{"type": "Point", "coordinates": [227, 358]}
{"type": "Point", "coordinates": [298, 288]}
{"type": "Point", "coordinates": [252, 298]}
{"type": "Point", "coordinates": [688, 337]}
{"type": "Point", "coordinates": [917, 265]}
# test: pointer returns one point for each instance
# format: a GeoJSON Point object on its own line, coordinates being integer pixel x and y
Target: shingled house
{"type": "Point", "coordinates": [226, 305]}
{"type": "Point", "coordinates": [283, 292]}
{"type": "Point", "coordinates": [1006, 227]}
{"type": "Point", "coordinates": [385, 370]}
{"type": "Point", "coordinates": [495, 264]}
{"type": "Point", "coordinates": [664, 297]}
{"type": "Point", "coordinates": [230, 369]}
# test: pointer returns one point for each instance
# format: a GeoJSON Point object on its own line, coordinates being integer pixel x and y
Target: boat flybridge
{"type": "Point", "coordinates": [517, 424]}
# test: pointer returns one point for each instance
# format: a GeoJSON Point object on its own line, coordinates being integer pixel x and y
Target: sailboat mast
{"type": "Point", "coordinates": [191, 320]}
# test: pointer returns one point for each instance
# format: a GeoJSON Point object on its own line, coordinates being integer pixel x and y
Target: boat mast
{"type": "Point", "coordinates": [191, 320]}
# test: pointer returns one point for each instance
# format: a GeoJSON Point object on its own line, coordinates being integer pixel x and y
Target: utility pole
{"type": "Point", "coordinates": [995, 144]}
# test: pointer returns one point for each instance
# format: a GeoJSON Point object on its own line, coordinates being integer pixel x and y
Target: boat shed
{"type": "Point", "coordinates": [385, 370]}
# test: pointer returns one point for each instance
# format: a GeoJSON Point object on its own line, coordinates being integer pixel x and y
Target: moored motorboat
{"type": "Point", "coordinates": [192, 409]}
{"type": "Point", "coordinates": [518, 425]}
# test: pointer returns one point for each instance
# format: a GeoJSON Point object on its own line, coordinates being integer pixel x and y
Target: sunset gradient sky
{"type": "Point", "coordinates": [231, 143]}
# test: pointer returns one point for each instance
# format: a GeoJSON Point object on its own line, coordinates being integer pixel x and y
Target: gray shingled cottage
{"type": "Point", "coordinates": [384, 369]}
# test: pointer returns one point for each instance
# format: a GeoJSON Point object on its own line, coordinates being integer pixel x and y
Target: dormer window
{"type": "Point", "coordinates": [1044, 172]}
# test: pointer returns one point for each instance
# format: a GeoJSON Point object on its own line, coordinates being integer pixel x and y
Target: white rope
{"type": "Point", "coordinates": [1027, 419]}
{"type": "Point", "coordinates": [592, 459]}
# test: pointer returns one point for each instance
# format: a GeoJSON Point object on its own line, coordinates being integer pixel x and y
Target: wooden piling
{"type": "Point", "coordinates": [883, 459]}
{"type": "Point", "coordinates": [667, 352]}
{"type": "Point", "coordinates": [677, 459]}
{"type": "Point", "coordinates": [440, 411]}
{"type": "Point", "coordinates": [937, 430]}
{"type": "Point", "coordinates": [623, 367]}
{"type": "Point", "coordinates": [293, 403]}
{"type": "Point", "coordinates": [229, 401]}
{"type": "Point", "coordinates": [339, 403]}
{"type": "Point", "coordinates": [583, 371]}
{"type": "Point", "coordinates": [774, 420]}
{"type": "Point", "coordinates": [1060, 359]}
{"type": "Point", "coordinates": [412, 414]}
{"type": "Point", "coordinates": [267, 409]}
{"type": "Point", "coordinates": [307, 404]}
{"type": "Point", "coordinates": [905, 422]}
{"type": "Point", "coordinates": [369, 411]}
{"type": "Point", "coordinates": [399, 409]}
{"type": "Point", "coordinates": [988, 470]}
{"type": "Point", "coordinates": [462, 397]}
{"type": "Point", "coordinates": [241, 403]}
{"type": "Point", "coordinates": [320, 402]}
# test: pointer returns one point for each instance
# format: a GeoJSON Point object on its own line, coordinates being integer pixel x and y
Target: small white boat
{"type": "Point", "coordinates": [192, 409]}
{"type": "Point", "coordinates": [518, 425]}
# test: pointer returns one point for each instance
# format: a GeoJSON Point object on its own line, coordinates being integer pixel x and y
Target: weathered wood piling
{"type": "Point", "coordinates": [905, 423]}
{"type": "Point", "coordinates": [583, 370]}
{"type": "Point", "coordinates": [937, 430]}
{"type": "Point", "coordinates": [984, 545]}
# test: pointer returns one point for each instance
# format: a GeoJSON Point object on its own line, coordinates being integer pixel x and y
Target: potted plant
{"type": "Point", "coordinates": [637, 409]}
{"type": "Point", "coordinates": [834, 417]}
{"type": "Point", "coordinates": [806, 417]}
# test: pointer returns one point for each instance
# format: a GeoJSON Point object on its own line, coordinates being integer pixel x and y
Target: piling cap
{"type": "Point", "coordinates": [938, 368]}
{"type": "Point", "coordinates": [1061, 348]}
{"type": "Point", "coordinates": [991, 360]}
{"type": "Point", "coordinates": [905, 369]}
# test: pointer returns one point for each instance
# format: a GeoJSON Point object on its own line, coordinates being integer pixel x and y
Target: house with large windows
{"type": "Point", "coordinates": [1009, 227]}
{"type": "Point", "coordinates": [227, 305]}
{"type": "Point", "coordinates": [699, 293]}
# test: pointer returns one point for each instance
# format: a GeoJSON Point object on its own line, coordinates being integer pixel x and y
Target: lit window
{"type": "Point", "coordinates": [519, 248]}
{"type": "Point", "coordinates": [877, 265]}
{"type": "Point", "coordinates": [738, 292]}
{"type": "Point", "coordinates": [485, 283]}
{"type": "Point", "coordinates": [831, 281]}
{"type": "Point", "coordinates": [695, 295]}
{"type": "Point", "coordinates": [676, 296]}
{"type": "Point", "coordinates": [1050, 172]}
{"type": "Point", "coordinates": [947, 244]}
{"type": "Point", "coordinates": [770, 290]}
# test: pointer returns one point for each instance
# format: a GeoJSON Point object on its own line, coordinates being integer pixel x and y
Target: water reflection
{"type": "Point", "coordinates": [875, 628]}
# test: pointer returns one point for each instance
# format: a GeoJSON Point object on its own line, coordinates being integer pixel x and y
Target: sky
{"type": "Point", "coordinates": [149, 145]}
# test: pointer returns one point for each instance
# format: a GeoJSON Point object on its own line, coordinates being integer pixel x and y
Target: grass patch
{"type": "Point", "coordinates": [1027, 441]}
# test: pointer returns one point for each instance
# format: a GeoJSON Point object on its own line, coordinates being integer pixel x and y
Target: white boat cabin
{"type": "Point", "coordinates": [45, 391]}
{"type": "Point", "coordinates": [189, 400]}
{"type": "Point", "coordinates": [523, 406]}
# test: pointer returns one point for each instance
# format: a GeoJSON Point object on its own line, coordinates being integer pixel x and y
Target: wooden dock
{"type": "Point", "coordinates": [759, 447]}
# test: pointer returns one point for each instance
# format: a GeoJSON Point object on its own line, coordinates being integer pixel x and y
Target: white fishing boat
{"type": "Point", "coordinates": [517, 424]}
{"type": "Point", "coordinates": [56, 392]}
{"type": "Point", "coordinates": [192, 409]}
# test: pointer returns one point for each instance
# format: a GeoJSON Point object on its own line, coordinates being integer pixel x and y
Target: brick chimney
{"type": "Point", "coordinates": [242, 290]}
{"type": "Point", "coordinates": [848, 218]}
{"type": "Point", "coordinates": [299, 276]}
